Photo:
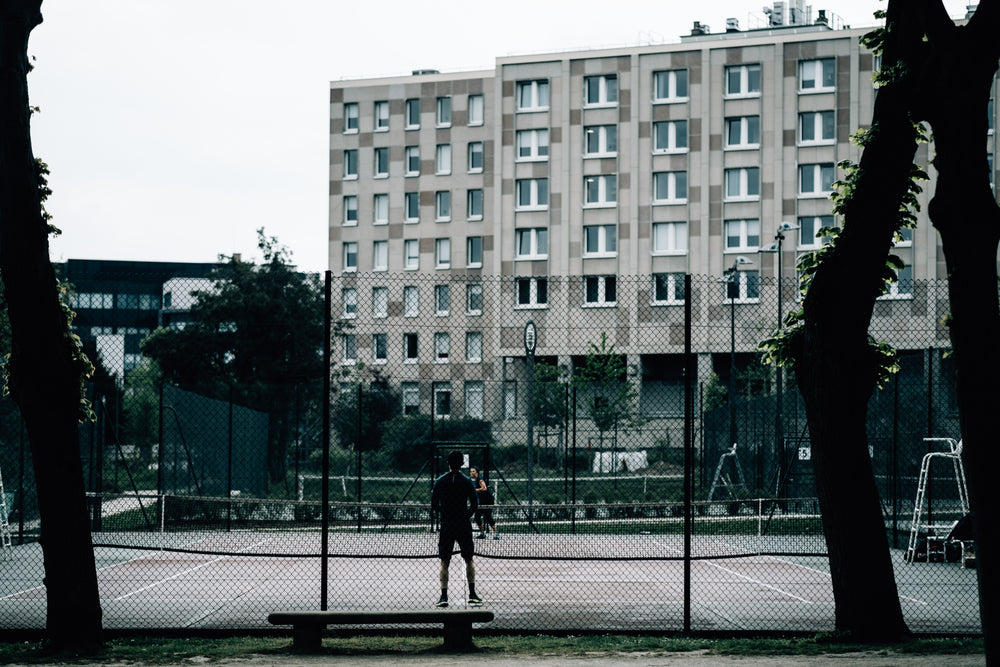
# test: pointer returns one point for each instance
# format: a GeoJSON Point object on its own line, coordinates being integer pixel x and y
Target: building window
{"type": "Point", "coordinates": [809, 226]}
{"type": "Point", "coordinates": [670, 86]}
{"type": "Point", "coordinates": [532, 292]}
{"type": "Point", "coordinates": [442, 159]}
{"type": "Point", "coordinates": [380, 209]}
{"type": "Point", "coordinates": [411, 207]}
{"type": "Point", "coordinates": [411, 254]}
{"type": "Point", "coordinates": [670, 187]}
{"type": "Point", "coordinates": [600, 190]}
{"type": "Point", "coordinates": [442, 400]}
{"type": "Point", "coordinates": [380, 302]}
{"type": "Point", "coordinates": [412, 113]}
{"type": "Point", "coordinates": [410, 347]}
{"type": "Point", "coordinates": [350, 256]}
{"type": "Point", "coordinates": [442, 253]}
{"type": "Point", "coordinates": [600, 140]}
{"type": "Point", "coordinates": [351, 163]}
{"type": "Point", "coordinates": [349, 302]}
{"type": "Point", "coordinates": [411, 301]}
{"type": "Point", "coordinates": [474, 205]}
{"type": "Point", "coordinates": [381, 162]}
{"type": "Point", "coordinates": [600, 90]}
{"type": "Point", "coordinates": [532, 193]}
{"type": "Point", "coordinates": [411, 160]}
{"type": "Point", "coordinates": [742, 235]}
{"type": "Point", "coordinates": [475, 157]}
{"type": "Point", "coordinates": [442, 299]}
{"type": "Point", "coordinates": [350, 210]}
{"type": "Point", "coordinates": [473, 347]}
{"type": "Point", "coordinates": [474, 252]}
{"type": "Point", "coordinates": [99, 301]}
{"type": "Point", "coordinates": [442, 347]}
{"type": "Point", "coordinates": [381, 116]}
{"type": "Point", "coordinates": [670, 136]}
{"type": "Point", "coordinates": [380, 348]}
{"type": "Point", "coordinates": [599, 240]}
{"type": "Point", "coordinates": [742, 183]}
{"type": "Point", "coordinates": [600, 290]}
{"type": "Point", "coordinates": [475, 403]}
{"type": "Point", "coordinates": [902, 288]}
{"type": "Point", "coordinates": [743, 132]}
{"type": "Point", "coordinates": [743, 286]}
{"type": "Point", "coordinates": [349, 348]}
{"type": "Point", "coordinates": [475, 110]}
{"type": "Point", "coordinates": [816, 76]}
{"type": "Point", "coordinates": [533, 95]}
{"type": "Point", "coordinates": [743, 81]}
{"type": "Point", "coordinates": [474, 299]}
{"type": "Point", "coordinates": [350, 117]}
{"type": "Point", "coordinates": [668, 288]}
{"type": "Point", "coordinates": [815, 180]}
{"type": "Point", "coordinates": [443, 113]}
{"type": "Point", "coordinates": [532, 144]}
{"type": "Point", "coordinates": [531, 243]}
{"type": "Point", "coordinates": [380, 256]}
{"type": "Point", "coordinates": [442, 206]}
{"type": "Point", "coordinates": [816, 127]}
{"type": "Point", "coordinates": [670, 238]}
{"type": "Point", "coordinates": [410, 392]}
{"type": "Point", "coordinates": [509, 399]}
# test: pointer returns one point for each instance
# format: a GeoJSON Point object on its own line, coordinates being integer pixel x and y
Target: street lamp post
{"type": "Point", "coordinates": [530, 341]}
{"type": "Point", "coordinates": [733, 289]}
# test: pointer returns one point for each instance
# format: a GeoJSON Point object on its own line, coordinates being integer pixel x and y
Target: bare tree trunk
{"type": "Point", "coordinates": [45, 375]}
{"type": "Point", "coordinates": [965, 212]}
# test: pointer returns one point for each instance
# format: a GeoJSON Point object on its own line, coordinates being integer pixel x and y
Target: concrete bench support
{"type": "Point", "coordinates": [308, 626]}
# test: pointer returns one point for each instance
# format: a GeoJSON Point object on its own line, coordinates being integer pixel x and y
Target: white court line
{"type": "Point", "coordinates": [743, 576]}
{"type": "Point", "coordinates": [828, 575]}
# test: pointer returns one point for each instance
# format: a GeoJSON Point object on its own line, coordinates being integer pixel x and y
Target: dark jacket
{"type": "Point", "coordinates": [454, 496]}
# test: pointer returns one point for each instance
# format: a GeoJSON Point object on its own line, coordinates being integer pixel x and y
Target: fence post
{"type": "Point", "coordinates": [572, 524]}
{"type": "Point", "coordinates": [688, 483]}
{"type": "Point", "coordinates": [325, 443]}
{"type": "Point", "coordinates": [229, 464]}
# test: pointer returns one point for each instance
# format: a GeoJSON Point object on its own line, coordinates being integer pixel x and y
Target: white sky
{"type": "Point", "coordinates": [174, 129]}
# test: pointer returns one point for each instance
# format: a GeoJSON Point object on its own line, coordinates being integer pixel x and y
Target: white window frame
{"type": "Point", "coordinates": [535, 240]}
{"type": "Point", "coordinates": [442, 300]}
{"type": "Point", "coordinates": [474, 252]}
{"type": "Point", "coordinates": [475, 110]}
{"type": "Point", "coordinates": [351, 118]}
{"type": "Point", "coordinates": [747, 230]}
{"type": "Point", "coordinates": [442, 253]}
{"type": "Point", "coordinates": [380, 348]}
{"type": "Point", "coordinates": [822, 186]}
{"type": "Point", "coordinates": [747, 126]}
{"type": "Point", "coordinates": [600, 141]}
{"type": "Point", "coordinates": [474, 293]}
{"type": "Point", "coordinates": [532, 95]}
{"type": "Point", "coordinates": [380, 255]}
{"type": "Point", "coordinates": [475, 399]}
{"type": "Point", "coordinates": [473, 347]}
{"type": "Point", "coordinates": [816, 120]}
{"type": "Point", "coordinates": [380, 209]}
{"type": "Point", "coordinates": [531, 194]}
{"type": "Point", "coordinates": [600, 191]}
{"type": "Point", "coordinates": [747, 282]}
{"type": "Point", "coordinates": [411, 301]}
{"type": "Point", "coordinates": [411, 254]}
{"type": "Point", "coordinates": [600, 90]}
{"type": "Point", "coordinates": [351, 164]}
{"type": "Point", "coordinates": [409, 199]}
{"type": "Point", "coordinates": [741, 184]}
{"type": "Point", "coordinates": [411, 154]}
{"type": "Point", "coordinates": [348, 303]}
{"type": "Point", "coordinates": [381, 116]}
{"type": "Point", "coordinates": [442, 112]}
{"type": "Point", "coordinates": [442, 347]}
{"type": "Point", "coordinates": [380, 302]}
{"type": "Point", "coordinates": [381, 162]}
{"type": "Point", "coordinates": [668, 132]}
{"type": "Point", "coordinates": [813, 75]}
{"type": "Point", "coordinates": [412, 105]}
{"type": "Point", "coordinates": [532, 145]}
{"type": "Point", "coordinates": [442, 206]}
{"type": "Point", "coordinates": [673, 285]}
{"type": "Point", "coordinates": [669, 238]}
{"type": "Point", "coordinates": [407, 357]}
{"type": "Point", "coordinates": [350, 211]}
{"type": "Point", "coordinates": [442, 159]}
{"type": "Point", "coordinates": [742, 73]}
{"type": "Point", "coordinates": [530, 287]}
{"type": "Point", "coordinates": [601, 285]}
{"type": "Point", "coordinates": [895, 290]}
{"type": "Point", "coordinates": [600, 241]}
{"type": "Point", "coordinates": [409, 393]}
{"type": "Point", "coordinates": [676, 187]}
{"type": "Point", "coordinates": [812, 241]}
{"type": "Point", "coordinates": [474, 154]}
{"type": "Point", "coordinates": [671, 81]}
{"type": "Point", "coordinates": [442, 394]}
{"type": "Point", "coordinates": [474, 204]}
{"type": "Point", "coordinates": [348, 349]}
{"type": "Point", "coordinates": [350, 256]}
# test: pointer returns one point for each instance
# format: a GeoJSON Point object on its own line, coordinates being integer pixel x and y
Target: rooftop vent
{"type": "Point", "coordinates": [421, 72]}
{"type": "Point", "coordinates": [700, 29]}
{"type": "Point", "coordinates": [821, 18]}
{"type": "Point", "coordinates": [732, 25]}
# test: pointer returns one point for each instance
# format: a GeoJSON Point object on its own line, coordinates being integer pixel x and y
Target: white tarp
{"type": "Point", "coordinates": [619, 461]}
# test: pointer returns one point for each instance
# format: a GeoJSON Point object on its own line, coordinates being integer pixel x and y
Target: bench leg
{"type": "Point", "coordinates": [458, 635]}
{"type": "Point", "coordinates": [306, 637]}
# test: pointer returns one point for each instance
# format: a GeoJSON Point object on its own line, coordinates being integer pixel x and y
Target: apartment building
{"type": "Point", "coordinates": [576, 189]}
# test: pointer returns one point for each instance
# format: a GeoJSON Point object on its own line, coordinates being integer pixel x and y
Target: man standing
{"type": "Point", "coordinates": [454, 497]}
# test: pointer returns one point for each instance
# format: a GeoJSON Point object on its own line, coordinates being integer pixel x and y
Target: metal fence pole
{"type": "Point", "coordinates": [325, 442]}
{"type": "Point", "coordinates": [688, 483]}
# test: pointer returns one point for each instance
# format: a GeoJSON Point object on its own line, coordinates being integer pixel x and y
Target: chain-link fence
{"type": "Point", "coordinates": [573, 398]}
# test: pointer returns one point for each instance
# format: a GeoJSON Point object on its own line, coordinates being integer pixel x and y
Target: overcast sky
{"type": "Point", "coordinates": [174, 129]}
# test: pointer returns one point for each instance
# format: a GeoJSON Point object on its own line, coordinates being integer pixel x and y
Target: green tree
{"type": "Point", "coordinates": [549, 398]}
{"type": "Point", "coordinates": [379, 404]}
{"type": "Point", "coordinates": [141, 407]}
{"type": "Point", "coordinates": [258, 333]}
{"type": "Point", "coordinates": [611, 400]}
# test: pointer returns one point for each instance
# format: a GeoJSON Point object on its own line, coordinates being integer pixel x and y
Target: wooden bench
{"type": "Point", "coordinates": [308, 626]}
